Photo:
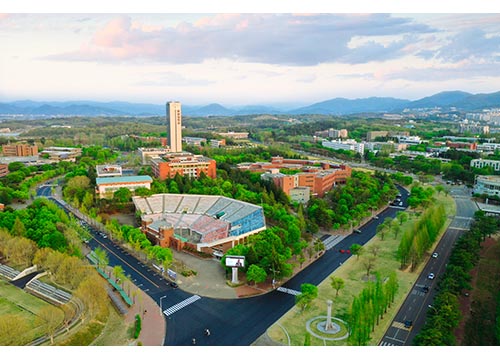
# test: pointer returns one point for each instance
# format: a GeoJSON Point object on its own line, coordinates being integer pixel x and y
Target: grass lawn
{"type": "Point", "coordinates": [15, 301]}
{"type": "Point", "coordinates": [354, 274]}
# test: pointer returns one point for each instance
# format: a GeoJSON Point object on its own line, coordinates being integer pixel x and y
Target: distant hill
{"type": "Point", "coordinates": [442, 99]}
{"type": "Point", "coordinates": [339, 106]}
{"type": "Point", "coordinates": [479, 101]}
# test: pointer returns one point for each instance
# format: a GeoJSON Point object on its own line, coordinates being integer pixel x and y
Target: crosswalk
{"type": "Point", "coordinates": [399, 325]}
{"type": "Point", "coordinates": [332, 240]}
{"type": "Point", "coordinates": [181, 305]}
{"type": "Point", "coordinates": [385, 343]}
{"type": "Point", "coordinates": [397, 207]}
{"type": "Point", "coordinates": [289, 291]}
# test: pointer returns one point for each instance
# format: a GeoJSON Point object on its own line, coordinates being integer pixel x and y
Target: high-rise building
{"type": "Point", "coordinates": [174, 118]}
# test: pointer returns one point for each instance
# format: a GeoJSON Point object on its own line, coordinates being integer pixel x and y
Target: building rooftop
{"type": "Point", "coordinates": [123, 179]}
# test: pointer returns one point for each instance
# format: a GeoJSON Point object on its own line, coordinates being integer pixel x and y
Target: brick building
{"type": "Point", "coordinates": [183, 164]}
{"type": "Point", "coordinates": [20, 150]}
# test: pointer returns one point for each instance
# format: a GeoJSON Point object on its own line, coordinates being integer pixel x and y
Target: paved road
{"type": "Point", "coordinates": [232, 322]}
{"type": "Point", "coordinates": [417, 303]}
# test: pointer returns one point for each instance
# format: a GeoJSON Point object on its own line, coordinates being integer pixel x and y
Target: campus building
{"type": "Point", "coordinates": [488, 185]}
{"type": "Point", "coordinates": [147, 154]}
{"type": "Point", "coordinates": [235, 135]}
{"type": "Point", "coordinates": [351, 145]}
{"type": "Point", "coordinates": [204, 223]}
{"type": "Point", "coordinates": [183, 164]}
{"type": "Point", "coordinates": [108, 170]}
{"type": "Point", "coordinates": [57, 154]}
{"type": "Point", "coordinates": [20, 150]}
{"type": "Point", "coordinates": [481, 163]}
{"type": "Point", "coordinates": [319, 177]}
{"type": "Point", "coordinates": [106, 186]}
{"type": "Point", "coordinates": [4, 170]}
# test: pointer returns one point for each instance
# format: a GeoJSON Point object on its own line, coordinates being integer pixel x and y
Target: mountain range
{"type": "Point", "coordinates": [459, 100]}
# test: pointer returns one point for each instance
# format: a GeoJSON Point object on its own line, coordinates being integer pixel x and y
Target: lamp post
{"type": "Point", "coordinates": [161, 308]}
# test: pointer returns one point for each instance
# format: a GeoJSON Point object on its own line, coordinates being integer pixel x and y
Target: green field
{"type": "Point", "coordinates": [293, 324]}
{"type": "Point", "coordinates": [14, 301]}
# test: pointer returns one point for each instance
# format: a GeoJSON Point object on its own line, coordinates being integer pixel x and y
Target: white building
{"type": "Point", "coordinates": [351, 145]}
{"type": "Point", "coordinates": [108, 170]}
{"type": "Point", "coordinates": [195, 141]}
{"type": "Point", "coordinates": [147, 154]}
{"type": "Point", "coordinates": [410, 140]}
{"type": "Point", "coordinates": [174, 119]}
{"type": "Point", "coordinates": [488, 146]}
{"type": "Point", "coordinates": [300, 194]}
{"type": "Point", "coordinates": [106, 186]}
{"type": "Point", "coordinates": [489, 185]}
{"type": "Point", "coordinates": [481, 163]}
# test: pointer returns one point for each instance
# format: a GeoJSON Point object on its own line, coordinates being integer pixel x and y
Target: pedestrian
{"type": "Point", "coordinates": [194, 341]}
{"type": "Point", "coordinates": [207, 332]}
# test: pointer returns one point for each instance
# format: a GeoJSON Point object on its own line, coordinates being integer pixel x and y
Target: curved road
{"type": "Point", "coordinates": [234, 322]}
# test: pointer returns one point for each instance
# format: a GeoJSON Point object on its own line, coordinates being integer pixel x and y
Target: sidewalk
{"type": "Point", "coordinates": [153, 329]}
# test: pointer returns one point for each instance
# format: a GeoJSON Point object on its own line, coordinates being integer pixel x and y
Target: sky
{"type": "Point", "coordinates": [212, 55]}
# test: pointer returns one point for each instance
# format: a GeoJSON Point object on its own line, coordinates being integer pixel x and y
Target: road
{"type": "Point", "coordinates": [417, 302]}
{"type": "Point", "coordinates": [234, 322]}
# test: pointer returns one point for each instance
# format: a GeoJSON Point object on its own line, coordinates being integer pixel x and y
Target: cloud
{"type": "Point", "coordinates": [466, 70]}
{"type": "Point", "coordinates": [471, 43]}
{"type": "Point", "coordinates": [262, 38]}
{"type": "Point", "coordinates": [173, 79]}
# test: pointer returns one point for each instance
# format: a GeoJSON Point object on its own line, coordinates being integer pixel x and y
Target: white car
{"type": "Point", "coordinates": [435, 255]}
{"type": "Point", "coordinates": [431, 276]}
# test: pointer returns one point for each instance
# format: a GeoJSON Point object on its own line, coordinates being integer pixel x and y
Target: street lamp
{"type": "Point", "coordinates": [161, 308]}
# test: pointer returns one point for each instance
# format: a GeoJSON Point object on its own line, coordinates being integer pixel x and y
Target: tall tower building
{"type": "Point", "coordinates": [174, 119]}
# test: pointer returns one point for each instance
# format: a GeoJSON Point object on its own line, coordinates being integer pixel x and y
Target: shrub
{"type": "Point", "coordinates": [137, 326]}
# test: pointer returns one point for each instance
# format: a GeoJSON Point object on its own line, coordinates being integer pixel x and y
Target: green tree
{"type": "Point", "coordinates": [356, 249]}
{"type": "Point", "coordinates": [122, 196]}
{"type": "Point", "coordinates": [308, 293]}
{"type": "Point", "coordinates": [102, 258]}
{"type": "Point", "coordinates": [337, 284]}
{"type": "Point", "coordinates": [51, 318]}
{"type": "Point", "coordinates": [307, 339]}
{"type": "Point", "coordinates": [256, 274]}
{"type": "Point", "coordinates": [402, 217]}
{"type": "Point", "coordinates": [18, 229]}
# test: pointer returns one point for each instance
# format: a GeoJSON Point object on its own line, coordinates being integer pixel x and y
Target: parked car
{"type": "Point", "coordinates": [375, 217]}
{"type": "Point", "coordinates": [357, 231]}
{"type": "Point", "coordinates": [435, 255]}
{"type": "Point", "coordinates": [431, 276]}
{"type": "Point", "coordinates": [174, 285]}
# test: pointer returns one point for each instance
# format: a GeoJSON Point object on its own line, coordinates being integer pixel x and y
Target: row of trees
{"type": "Point", "coordinates": [139, 242]}
{"type": "Point", "coordinates": [369, 307]}
{"type": "Point", "coordinates": [417, 240]}
{"type": "Point", "coordinates": [46, 224]}
{"type": "Point", "coordinates": [444, 315]}
{"type": "Point", "coordinates": [348, 204]}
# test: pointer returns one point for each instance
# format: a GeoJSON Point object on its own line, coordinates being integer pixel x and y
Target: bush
{"type": "Point", "coordinates": [137, 326]}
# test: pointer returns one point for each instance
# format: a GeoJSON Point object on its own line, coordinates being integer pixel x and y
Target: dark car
{"type": "Point", "coordinates": [408, 324]}
{"type": "Point", "coordinates": [174, 285]}
{"type": "Point", "coordinates": [425, 289]}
